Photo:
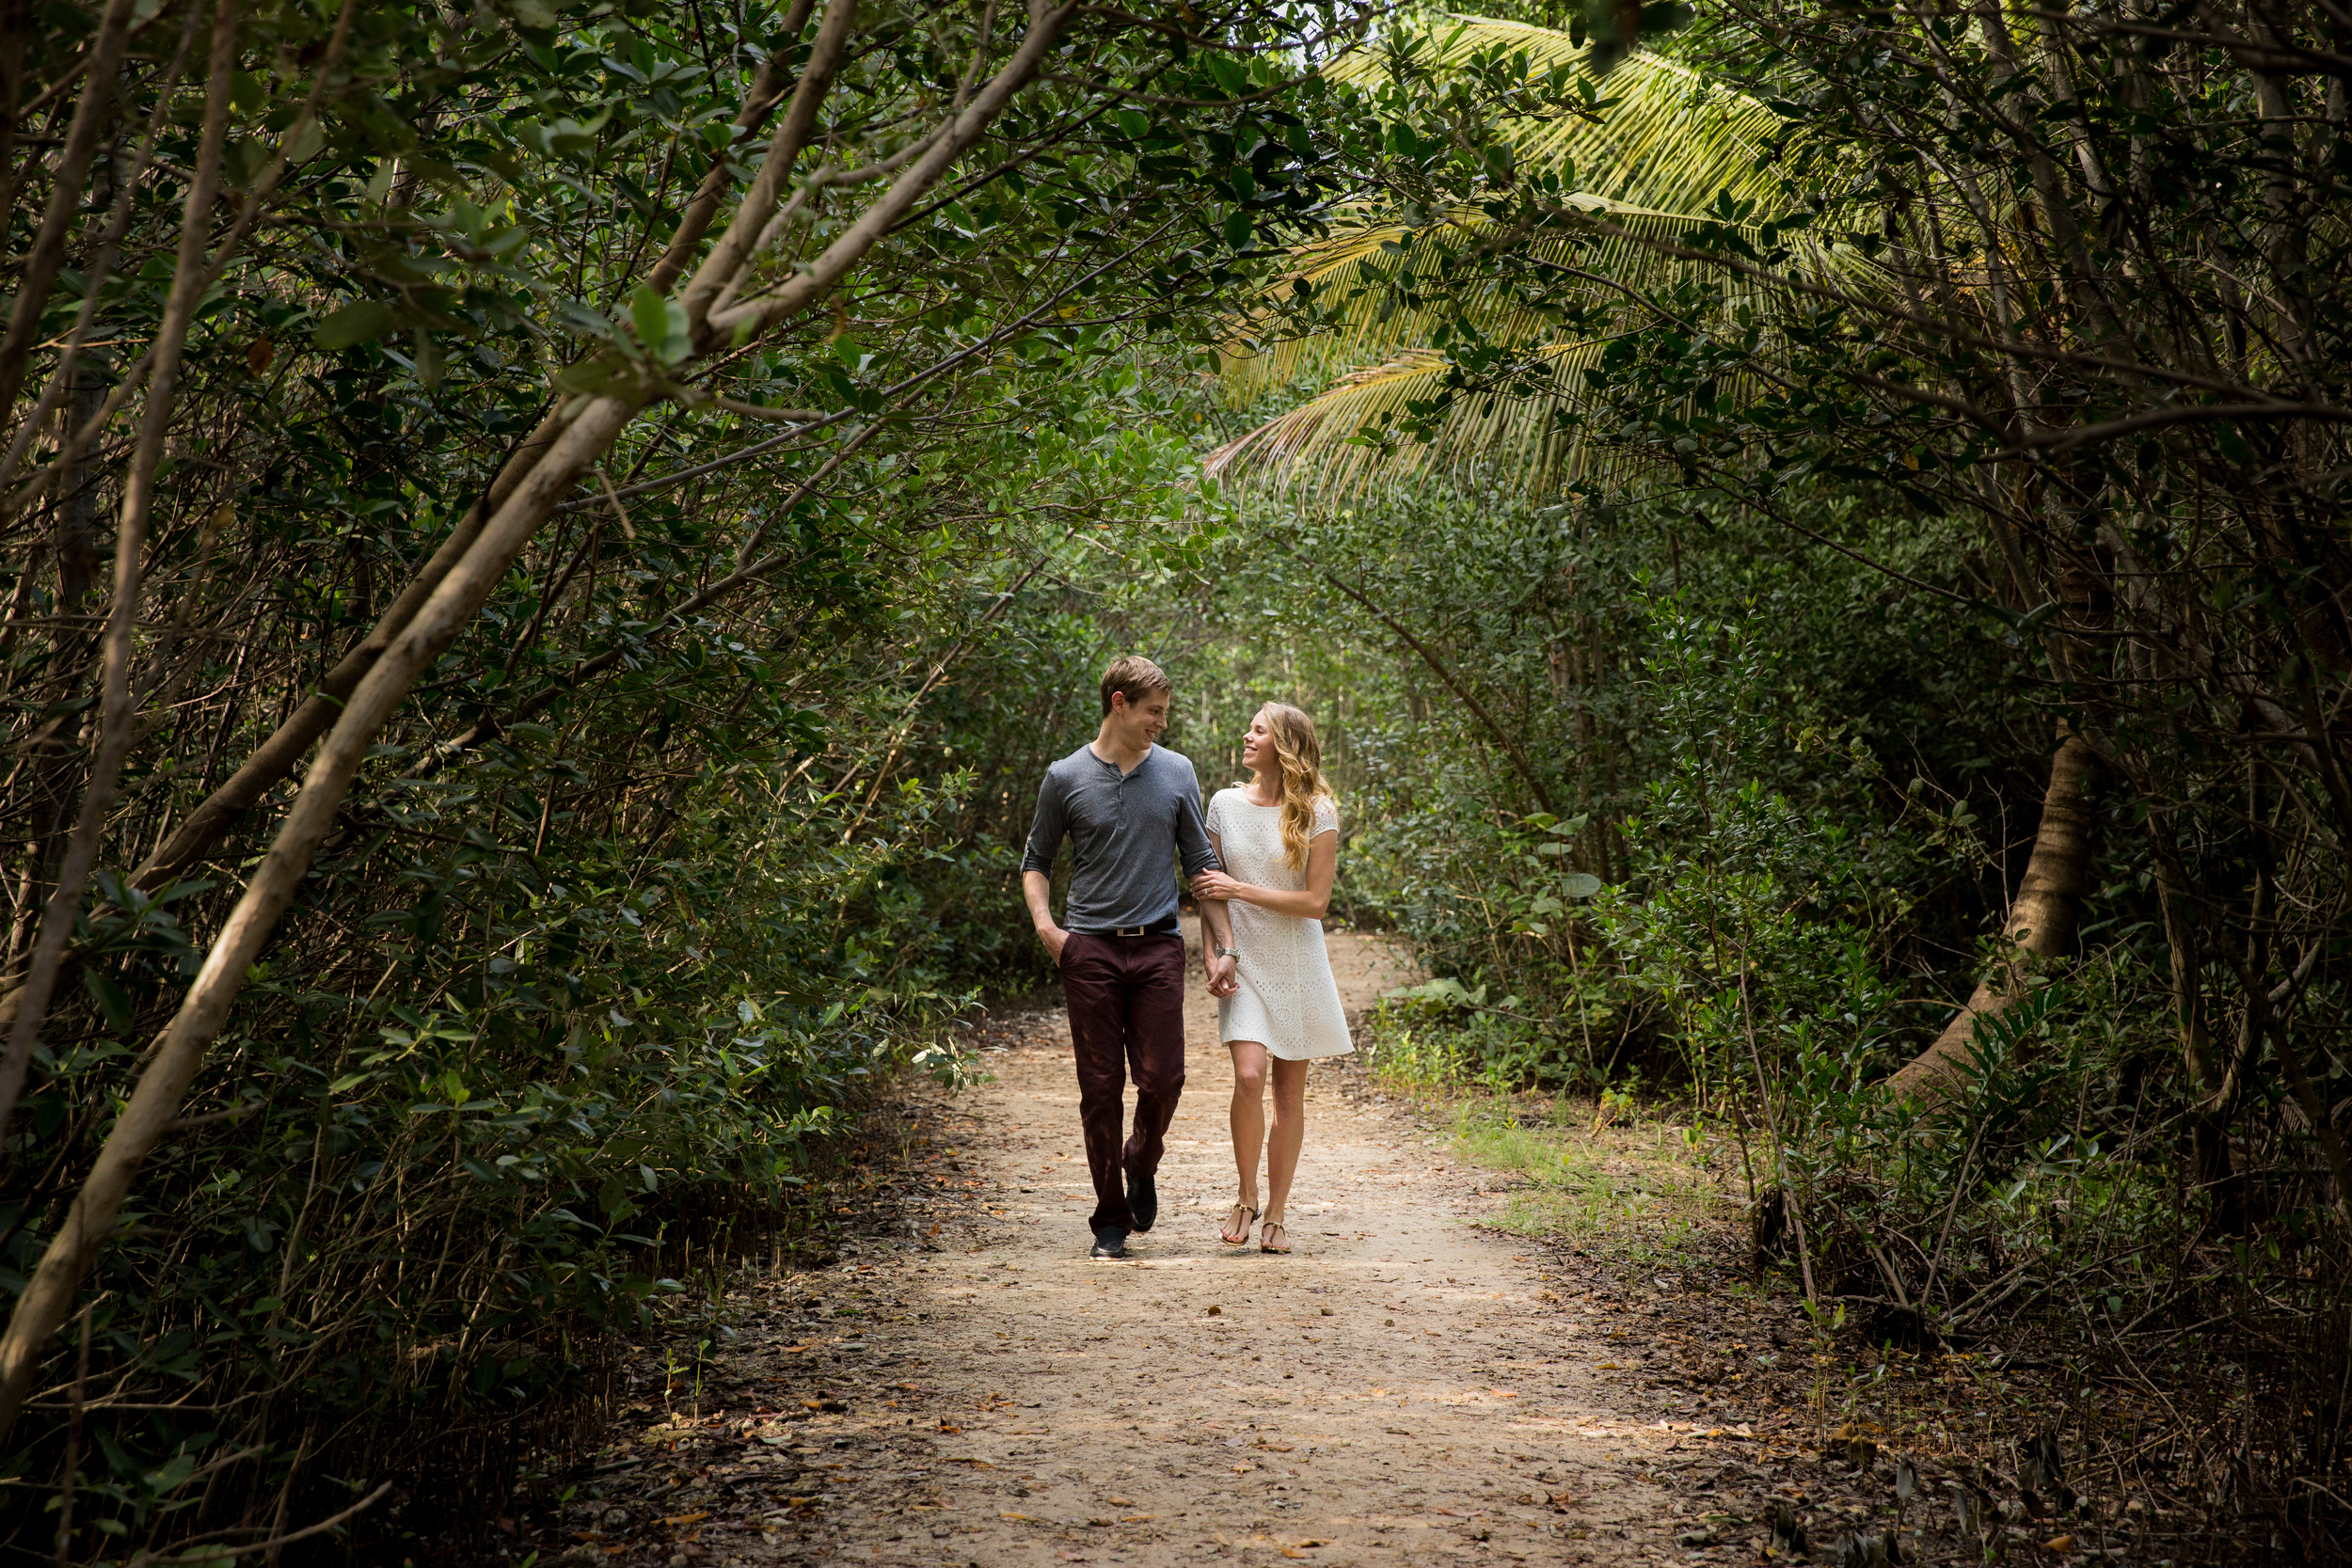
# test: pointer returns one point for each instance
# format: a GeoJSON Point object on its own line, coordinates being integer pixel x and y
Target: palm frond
{"type": "Point", "coordinates": [1652, 165]}
{"type": "Point", "coordinates": [1374, 323]}
{"type": "Point", "coordinates": [1669, 137]}
{"type": "Point", "coordinates": [1344, 441]}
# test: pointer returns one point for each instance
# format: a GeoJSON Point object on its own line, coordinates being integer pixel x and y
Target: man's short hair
{"type": "Point", "coordinates": [1136, 677]}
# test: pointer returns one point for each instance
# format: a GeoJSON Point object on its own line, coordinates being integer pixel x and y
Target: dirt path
{"type": "Point", "coordinates": [971, 1389]}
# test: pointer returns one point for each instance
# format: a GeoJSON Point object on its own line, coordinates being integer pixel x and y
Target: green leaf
{"type": "Point", "coordinates": [1581, 884]}
{"type": "Point", "coordinates": [1445, 990]}
{"type": "Point", "coordinates": [172, 1474]}
{"type": "Point", "coordinates": [595, 375]}
{"type": "Point", "coordinates": [355, 323]}
{"type": "Point", "coordinates": [1237, 230]}
{"type": "Point", "coordinates": [111, 1000]}
{"type": "Point", "coordinates": [661, 324]}
{"type": "Point", "coordinates": [651, 320]}
{"type": "Point", "coordinates": [307, 144]}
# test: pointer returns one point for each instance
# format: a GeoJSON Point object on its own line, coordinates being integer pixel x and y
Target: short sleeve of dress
{"type": "Point", "coordinates": [1326, 816]}
{"type": "Point", "coordinates": [1216, 819]}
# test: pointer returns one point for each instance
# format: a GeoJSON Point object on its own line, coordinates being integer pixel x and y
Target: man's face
{"type": "Point", "coordinates": [1143, 722]}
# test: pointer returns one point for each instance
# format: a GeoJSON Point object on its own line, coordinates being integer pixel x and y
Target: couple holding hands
{"type": "Point", "coordinates": [1261, 859]}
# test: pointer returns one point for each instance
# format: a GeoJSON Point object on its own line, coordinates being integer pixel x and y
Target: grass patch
{"type": "Point", "coordinates": [1637, 1194]}
{"type": "Point", "coordinates": [1596, 1173]}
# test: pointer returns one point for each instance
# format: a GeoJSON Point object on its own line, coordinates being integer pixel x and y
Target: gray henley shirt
{"type": "Point", "coordinates": [1124, 832]}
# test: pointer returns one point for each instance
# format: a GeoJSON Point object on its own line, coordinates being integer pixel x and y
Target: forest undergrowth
{"type": "Point", "coordinates": [2026, 1439]}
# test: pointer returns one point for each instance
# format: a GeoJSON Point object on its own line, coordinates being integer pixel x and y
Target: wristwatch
{"type": "Point", "coordinates": [1227, 953]}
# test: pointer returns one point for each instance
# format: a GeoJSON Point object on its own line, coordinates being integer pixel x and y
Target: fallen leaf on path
{"type": "Point", "coordinates": [1017, 1518]}
{"type": "Point", "coordinates": [689, 1518]}
{"type": "Point", "coordinates": [2062, 1544]}
{"type": "Point", "coordinates": [1121, 1502]}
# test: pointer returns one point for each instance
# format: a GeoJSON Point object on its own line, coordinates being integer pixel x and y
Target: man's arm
{"type": "Point", "coordinates": [1037, 891]}
{"type": "Point", "coordinates": [1037, 866]}
{"type": "Point", "coordinates": [1198, 850]}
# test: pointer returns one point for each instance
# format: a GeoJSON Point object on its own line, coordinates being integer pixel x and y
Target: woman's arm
{"type": "Point", "coordinates": [1309, 903]}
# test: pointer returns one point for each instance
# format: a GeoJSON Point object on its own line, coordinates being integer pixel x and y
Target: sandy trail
{"type": "Point", "coordinates": [1395, 1391]}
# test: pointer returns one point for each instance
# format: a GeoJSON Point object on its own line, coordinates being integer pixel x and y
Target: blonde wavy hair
{"type": "Point", "coordinates": [1301, 756]}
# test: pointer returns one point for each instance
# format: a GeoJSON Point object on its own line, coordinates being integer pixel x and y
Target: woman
{"type": "Point", "coordinates": [1279, 839]}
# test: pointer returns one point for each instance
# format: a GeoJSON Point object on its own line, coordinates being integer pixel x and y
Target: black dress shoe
{"type": "Point", "coordinates": [1143, 1201]}
{"type": "Point", "coordinates": [1109, 1242]}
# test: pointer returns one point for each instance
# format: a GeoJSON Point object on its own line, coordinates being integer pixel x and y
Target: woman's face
{"type": "Point", "coordinates": [1257, 746]}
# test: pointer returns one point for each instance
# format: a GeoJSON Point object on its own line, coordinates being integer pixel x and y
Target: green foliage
{"type": "Point", "coordinates": [1765, 718]}
{"type": "Point", "coordinates": [1515, 209]}
{"type": "Point", "coordinates": [1756, 925]}
{"type": "Point", "coordinates": [705, 823]}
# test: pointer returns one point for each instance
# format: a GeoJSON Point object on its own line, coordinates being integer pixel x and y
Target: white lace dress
{"type": "Point", "coordinates": [1288, 1001]}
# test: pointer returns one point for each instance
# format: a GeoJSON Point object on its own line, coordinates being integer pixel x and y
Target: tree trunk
{"type": "Point", "coordinates": [2040, 922]}
{"type": "Point", "coordinates": [2220, 1086]}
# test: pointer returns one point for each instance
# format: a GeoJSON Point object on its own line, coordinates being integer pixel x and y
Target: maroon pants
{"type": "Point", "coordinates": [1126, 998]}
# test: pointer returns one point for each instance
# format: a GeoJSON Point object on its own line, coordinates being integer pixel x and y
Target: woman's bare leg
{"type": "Point", "coordinates": [1248, 1119]}
{"type": "Point", "coordinates": [1289, 1133]}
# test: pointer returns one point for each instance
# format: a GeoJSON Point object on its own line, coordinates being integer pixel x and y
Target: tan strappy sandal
{"type": "Point", "coordinates": [1265, 1237]}
{"type": "Point", "coordinates": [1227, 1236]}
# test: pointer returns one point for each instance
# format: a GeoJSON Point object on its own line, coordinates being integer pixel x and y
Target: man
{"type": "Point", "coordinates": [1132, 811]}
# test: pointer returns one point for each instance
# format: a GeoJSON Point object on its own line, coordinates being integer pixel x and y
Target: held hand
{"type": "Point", "coordinates": [1054, 937]}
{"type": "Point", "coordinates": [1216, 884]}
{"type": "Point", "coordinates": [1221, 975]}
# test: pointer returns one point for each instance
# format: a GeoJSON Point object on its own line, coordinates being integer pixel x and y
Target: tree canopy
{"type": "Point", "coordinates": [549, 546]}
